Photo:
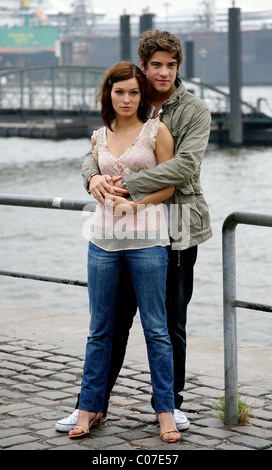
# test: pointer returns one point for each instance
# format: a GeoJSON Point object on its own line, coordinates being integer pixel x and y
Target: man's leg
{"type": "Point", "coordinates": [179, 291]}
{"type": "Point", "coordinates": [126, 307]}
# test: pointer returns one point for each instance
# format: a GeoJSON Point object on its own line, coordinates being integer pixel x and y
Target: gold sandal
{"type": "Point", "coordinates": [168, 430]}
{"type": "Point", "coordinates": [81, 431]}
{"type": "Point", "coordinates": [174, 439]}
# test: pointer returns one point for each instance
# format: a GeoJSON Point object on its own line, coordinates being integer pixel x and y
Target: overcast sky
{"type": "Point", "coordinates": [114, 8]}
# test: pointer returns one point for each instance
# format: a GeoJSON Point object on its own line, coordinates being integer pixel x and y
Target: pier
{"type": "Point", "coordinates": [42, 355]}
{"type": "Point", "coordinates": [60, 102]}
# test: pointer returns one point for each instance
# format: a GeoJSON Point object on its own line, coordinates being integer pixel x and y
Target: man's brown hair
{"type": "Point", "coordinates": [123, 71]}
{"type": "Point", "coordinates": [153, 41]}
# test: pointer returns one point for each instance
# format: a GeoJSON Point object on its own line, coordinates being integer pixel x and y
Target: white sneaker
{"type": "Point", "coordinates": [66, 424]}
{"type": "Point", "coordinates": [182, 422]}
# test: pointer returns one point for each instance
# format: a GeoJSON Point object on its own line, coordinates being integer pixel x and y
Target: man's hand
{"type": "Point", "coordinates": [117, 186]}
{"type": "Point", "coordinates": [102, 184]}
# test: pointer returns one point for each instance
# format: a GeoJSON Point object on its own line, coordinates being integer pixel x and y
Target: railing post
{"type": "Point", "coordinates": [53, 101]}
{"type": "Point", "coordinates": [83, 89]}
{"type": "Point", "coordinates": [230, 324]}
{"type": "Point", "coordinates": [235, 78]}
{"type": "Point", "coordinates": [68, 84]}
{"type": "Point", "coordinates": [22, 89]}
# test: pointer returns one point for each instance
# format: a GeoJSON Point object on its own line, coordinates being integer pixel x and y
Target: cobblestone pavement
{"type": "Point", "coordinates": [39, 384]}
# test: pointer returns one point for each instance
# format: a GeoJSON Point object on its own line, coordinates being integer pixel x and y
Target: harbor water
{"type": "Point", "coordinates": [51, 242]}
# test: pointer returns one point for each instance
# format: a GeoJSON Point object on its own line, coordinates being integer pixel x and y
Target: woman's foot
{"type": "Point", "coordinates": [169, 432]}
{"type": "Point", "coordinates": [84, 421]}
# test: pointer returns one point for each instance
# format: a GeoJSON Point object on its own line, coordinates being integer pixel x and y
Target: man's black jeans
{"type": "Point", "coordinates": [179, 290]}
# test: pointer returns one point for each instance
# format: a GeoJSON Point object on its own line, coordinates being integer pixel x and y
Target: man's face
{"type": "Point", "coordinates": [161, 71]}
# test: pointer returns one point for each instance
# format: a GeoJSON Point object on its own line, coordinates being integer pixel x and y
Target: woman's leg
{"type": "Point", "coordinates": [148, 269]}
{"type": "Point", "coordinates": [126, 307]}
{"type": "Point", "coordinates": [103, 272]}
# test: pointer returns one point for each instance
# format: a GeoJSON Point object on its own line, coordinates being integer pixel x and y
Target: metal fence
{"type": "Point", "coordinates": [54, 88]}
{"type": "Point", "coordinates": [46, 203]}
{"type": "Point", "coordinates": [75, 88]}
{"type": "Point", "coordinates": [230, 303]}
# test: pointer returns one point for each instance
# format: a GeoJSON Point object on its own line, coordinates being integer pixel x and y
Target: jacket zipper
{"type": "Point", "coordinates": [178, 264]}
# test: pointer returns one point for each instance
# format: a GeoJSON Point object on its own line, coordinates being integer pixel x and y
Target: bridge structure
{"type": "Point", "coordinates": [61, 102]}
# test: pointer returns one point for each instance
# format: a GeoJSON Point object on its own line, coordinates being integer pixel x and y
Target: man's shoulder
{"type": "Point", "coordinates": [189, 106]}
{"type": "Point", "coordinates": [185, 109]}
{"type": "Point", "coordinates": [190, 99]}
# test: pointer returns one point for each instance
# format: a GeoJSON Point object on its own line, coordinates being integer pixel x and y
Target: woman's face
{"type": "Point", "coordinates": [126, 97]}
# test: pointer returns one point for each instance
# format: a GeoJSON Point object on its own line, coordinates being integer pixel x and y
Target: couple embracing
{"type": "Point", "coordinates": [147, 157]}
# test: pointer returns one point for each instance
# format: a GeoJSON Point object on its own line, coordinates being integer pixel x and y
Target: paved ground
{"type": "Point", "coordinates": [41, 367]}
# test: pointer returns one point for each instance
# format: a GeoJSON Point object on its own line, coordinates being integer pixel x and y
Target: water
{"type": "Point", "coordinates": [51, 242]}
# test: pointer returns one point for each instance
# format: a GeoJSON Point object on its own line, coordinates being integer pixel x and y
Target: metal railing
{"type": "Point", "coordinates": [230, 303]}
{"type": "Point", "coordinates": [229, 280]}
{"type": "Point", "coordinates": [54, 88]}
{"type": "Point", "coordinates": [75, 87]}
{"type": "Point", "coordinates": [46, 203]}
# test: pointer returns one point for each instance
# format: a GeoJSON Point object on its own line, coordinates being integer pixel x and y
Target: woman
{"type": "Point", "coordinates": [136, 232]}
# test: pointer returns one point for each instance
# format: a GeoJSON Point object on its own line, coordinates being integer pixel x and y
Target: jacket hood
{"type": "Point", "coordinates": [177, 95]}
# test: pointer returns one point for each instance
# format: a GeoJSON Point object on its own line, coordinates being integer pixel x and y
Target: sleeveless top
{"type": "Point", "coordinates": [129, 230]}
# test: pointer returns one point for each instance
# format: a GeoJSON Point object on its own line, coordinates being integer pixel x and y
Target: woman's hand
{"type": "Point", "coordinates": [100, 185]}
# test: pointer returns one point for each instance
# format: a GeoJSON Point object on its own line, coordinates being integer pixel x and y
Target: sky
{"type": "Point", "coordinates": [114, 8]}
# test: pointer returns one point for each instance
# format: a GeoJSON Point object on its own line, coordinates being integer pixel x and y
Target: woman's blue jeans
{"type": "Point", "coordinates": [148, 269]}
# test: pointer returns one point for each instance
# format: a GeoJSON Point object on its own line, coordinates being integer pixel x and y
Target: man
{"type": "Point", "coordinates": [188, 119]}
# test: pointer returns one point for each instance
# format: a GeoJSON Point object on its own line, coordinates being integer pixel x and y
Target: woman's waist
{"type": "Point", "coordinates": [147, 217]}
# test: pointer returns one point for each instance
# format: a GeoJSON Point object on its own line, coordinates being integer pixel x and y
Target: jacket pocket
{"type": "Point", "coordinates": [196, 218]}
{"type": "Point", "coordinates": [190, 187]}
{"type": "Point", "coordinates": [199, 215]}
{"type": "Point", "coordinates": [203, 210]}
{"type": "Point", "coordinates": [189, 221]}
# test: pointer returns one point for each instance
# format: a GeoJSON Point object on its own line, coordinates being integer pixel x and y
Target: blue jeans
{"type": "Point", "coordinates": [148, 269]}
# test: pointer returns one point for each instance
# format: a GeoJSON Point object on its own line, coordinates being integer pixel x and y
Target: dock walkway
{"type": "Point", "coordinates": [42, 355]}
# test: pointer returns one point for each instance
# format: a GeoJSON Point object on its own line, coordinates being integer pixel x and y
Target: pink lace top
{"type": "Point", "coordinates": [148, 226]}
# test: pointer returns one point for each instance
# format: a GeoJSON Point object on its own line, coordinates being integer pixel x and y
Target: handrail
{"type": "Point", "coordinates": [230, 303]}
{"type": "Point", "coordinates": [46, 203]}
{"type": "Point", "coordinates": [39, 68]}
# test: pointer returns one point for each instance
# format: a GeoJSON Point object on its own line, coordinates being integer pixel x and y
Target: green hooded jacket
{"type": "Point", "coordinates": [188, 119]}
